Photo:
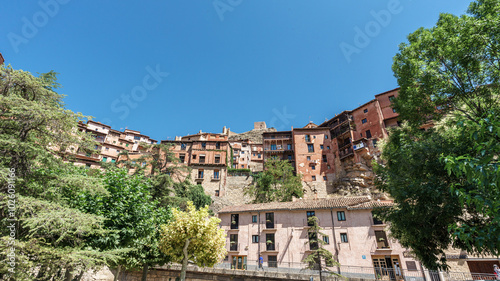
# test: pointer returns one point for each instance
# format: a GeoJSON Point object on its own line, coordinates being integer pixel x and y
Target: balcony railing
{"type": "Point", "coordinates": [346, 152]}
{"type": "Point", "coordinates": [234, 247]}
{"type": "Point", "coordinates": [271, 247]}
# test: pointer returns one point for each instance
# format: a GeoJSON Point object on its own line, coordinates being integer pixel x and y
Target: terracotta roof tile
{"type": "Point", "coordinates": [351, 203]}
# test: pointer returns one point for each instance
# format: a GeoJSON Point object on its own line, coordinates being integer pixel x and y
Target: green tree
{"type": "Point", "coordinates": [276, 183]}
{"type": "Point", "coordinates": [36, 135]}
{"type": "Point", "coordinates": [193, 236]}
{"type": "Point", "coordinates": [445, 180]}
{"type": "Point", "coordinates": [319, 253]}
{"type": "Point", "coordinates": [131, 216]}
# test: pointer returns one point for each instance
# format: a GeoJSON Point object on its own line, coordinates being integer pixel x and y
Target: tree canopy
{"type": "Point", "coordinates": [276, 183]}
{"type": "Point", "coordinates": [445, 180]}
{"type": "Point", "coordinates": [193, 236]}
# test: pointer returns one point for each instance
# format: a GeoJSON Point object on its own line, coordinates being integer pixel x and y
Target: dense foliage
{"type": "Point", "coordinates": [445, 180]}
{"type": "Point", "coordinates": [276, 183]}
{"type": "Point", "coordinates": [193, 236]}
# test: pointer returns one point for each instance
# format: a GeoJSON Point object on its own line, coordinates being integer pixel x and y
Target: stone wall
{"type": "Point", "coordinates": [234, 193]}
{"type": "Point", "coordinates": [201, 274]}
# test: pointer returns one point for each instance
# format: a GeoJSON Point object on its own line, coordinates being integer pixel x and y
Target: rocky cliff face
{"type": "Point", "coordinates": [254, 135]}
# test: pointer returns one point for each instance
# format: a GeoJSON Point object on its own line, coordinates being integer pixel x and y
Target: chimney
{"type": "Point", "coordinates": [224, 130]}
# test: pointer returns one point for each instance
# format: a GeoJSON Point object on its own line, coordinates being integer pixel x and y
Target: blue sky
{"type": "Point", "coordinates": [175, 67]}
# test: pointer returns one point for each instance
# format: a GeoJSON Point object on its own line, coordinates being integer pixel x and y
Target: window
{"type": "Point", "coordinates": [290, 157]}
{"type": "Point", "coordinates": [273, 147]}
{"type": "Point", "coordinates": [289, 146]}
{"type": "Point", "coordinates": [126, 145]}
{"type": "Point", "coordinates": [254, 219]}
{"type": "Point", "coordinates": [202, 158]}
{"type": "Point", "coordinates": [117, 151]}
{"type": "Point", "coordinates": [368, 134]}
{"type": "Point", "coordinates": [364, 121]}
{"type": "Point", "coordinates": [107, 148]}
{"type": "Point", "coordinates": [217, 193]}
{"type": "Point", "coordinates": [328, 167]}
{"type": "Point", "coordinates": [113, 160]}
{"type": "Point", "coordinates": [324, 178]}
{"type": "Point", "coordinates": [200, 173]}
{"type": "Point", "coordinates": [254, 154]}
{"type": "Point", "coordinates": [313, 178]}
{"type": "Point", "coordinates": [143, 164]}
{"type": "Point", "coordinates": [105, 159]}
{"type": "Point", "coordinates": [324, 158]}
{"type": "Point", "coordinates": [243, 152]}
{"type": "Point", "coordinates": [183, 146]}
{"type": "Point", "coordinates": [233, 242]}
{"type": "Point", "coordinates": [216, 174]}
{"type": "Point", "coordinates": [326, 239]}
{"type": "Point", "coordinates": [310, 147]}
{"type": "Point", "coordinates": [217, 158]}
{"type": "Point", "coordinates": [308, 158]}
{"type": "Point", "coordinates": [217, 145]}
{"type": "Point", "coordinates": [313, 167]}
{"type": "Point", "coordinates": [310, 214]}
{"type": "Point", "coordinates": [88, 165]}
{"type": "Point", "coordinates": [243, 166]}
{"type": "Point", "coordinates": [137, 138]}
{"type": "Point", "coordinates": [341, 216]}
{"type": "Point", "coordinates": [272, 261]}
{"type": "Point", "coordinates": [394, 110]}
{"type": "Point", "coordinates": [194, 156]}
{"type": "Point", "coordinates": [321, 146]}
{"type": "Point", "coordinates": [308, 138]}
{"type": "Point", "coordinates": [328, 147]}
{"type": "Point", "coordinates": [326, 137]}
{"type": "Point", "coordinates": [255, 238]}
{"type": "Point", "coordinates": [343, 238]}
{"type": "Point", "coordinates": [258, 155]}
{"type": "Point", "coordinates": [270, 220]}
{"type": "Point", "coordinates": [182, 158]}
{"type": "Point", "coordinates": [381, 238]}
{"type": "Point", "coordinates": [270, 242]}
{"type": "Point", "coordinates": [203, 145]}
{"type": "Point", "coordinates": [391, 98]}
{"type": "Point", "coordinates": [376, 220]}
{"type": "Point", "coordinates": [235, 221]}
{"type": "Point", "coordinates": [313, 240]}
{"type": "Point", "coordinates": [365, 110]}
{"type": "Point", "coordinates": [374, 143]}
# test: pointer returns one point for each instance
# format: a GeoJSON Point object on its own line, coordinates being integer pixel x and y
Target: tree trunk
{"type": "Point", "coordinates": [185, 260]}
{"type": "Point", "coordinates": [117, 272]}
{"type": "Point", "coordinates": [145, 272]}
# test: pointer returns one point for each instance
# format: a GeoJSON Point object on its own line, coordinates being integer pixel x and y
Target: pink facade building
{"type": "Point", "coordinates": [279, 233]}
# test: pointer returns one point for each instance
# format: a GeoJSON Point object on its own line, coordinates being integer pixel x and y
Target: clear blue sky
{"type": "Point", "coordinates": [229, 62]}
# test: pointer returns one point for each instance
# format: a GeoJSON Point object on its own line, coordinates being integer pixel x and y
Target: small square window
{"type": "Point", "coordinates": [365, 110]}
{"type": "Point", "coordinates": [394, 110]}
{"type": "Point", "coordinates": [313, 178]}
{"type": "Point", "coordinates": [254, 219]}
{"type": "Point", "coordinates": [326, 137]}
{"type": "Point", "coordinates": [328, 147]}
{"type": "Point", "coordinates": [391, 98]}
{"type": "Point", "coordinates": [255, 238]}
{"type": "Point", "coordinates": [308, 158]}
{"type": "Point", "coordinates": [328, 167]}
{"type": "Point", "coordinates": [313, 167]}
{"type": "Point", "coordinates": [364, 121]}
{"type": "Point", "coordinates": [368, 134]}
{"type": "Point", "coordinates": [310, 147]}
{"type": "Point", "coordinates": [321, 146]}
{"type": "Point", "coordinates": [343, 237]}
{"type": "Point", "coordinates": [341, 216]}
{"type": "Point", "coordinates": [326, 239]}
{"type": "Point", "coordinates": [324, 178]}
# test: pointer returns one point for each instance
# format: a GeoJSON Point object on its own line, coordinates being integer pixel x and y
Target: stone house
{"type": "Point", "coordinates": [279, 233]}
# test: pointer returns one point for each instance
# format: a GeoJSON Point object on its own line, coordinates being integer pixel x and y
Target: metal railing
{"type": "Point", "coordinates": [367, 273]}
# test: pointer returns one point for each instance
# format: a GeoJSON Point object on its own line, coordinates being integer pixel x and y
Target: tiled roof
{"type": "Point", "coordinates": [351, 203]}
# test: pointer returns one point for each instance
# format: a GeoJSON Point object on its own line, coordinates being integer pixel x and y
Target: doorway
{"type": "Point", "coordinates": [239, 262]}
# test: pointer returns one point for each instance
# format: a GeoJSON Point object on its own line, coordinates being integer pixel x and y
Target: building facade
{"type": "Point", "coordinates": [279, 233]}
